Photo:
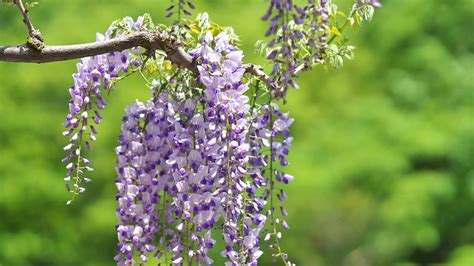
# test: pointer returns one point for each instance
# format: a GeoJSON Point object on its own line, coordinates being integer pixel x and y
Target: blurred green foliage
{"type": "Point", "coordinates": [383, 151]}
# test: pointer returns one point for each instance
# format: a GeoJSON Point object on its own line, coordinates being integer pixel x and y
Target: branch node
{"type": "Point", "coordinates": [35, 40]}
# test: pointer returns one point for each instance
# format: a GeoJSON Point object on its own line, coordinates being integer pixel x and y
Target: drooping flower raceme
{"type": "Point", "coordinates": [282, 15]}
{"type": "Point", "coordinates": [179, 7]}
{"type": "Point", "coordinates": [203, 158]}
{"type": "Point", "coordinates": [94, 77]}
{"type": "Point", "coordinates": [191, 167]}
{"type": "Point", "coordinates": [300, 36]}
{"type": "Point", "coordinates": [137, 191]}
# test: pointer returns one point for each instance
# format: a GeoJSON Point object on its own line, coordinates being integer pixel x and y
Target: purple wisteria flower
{"type": "Point", "coordinates": [271, 131]}
{"type": "Point", "coordinates": [190, 165]}
{"type": "Point", "coordinates": [318, 30]}
{"type": "Point", "coordinates": [283, 13]}
{"type": "Point", "coordinates": [204, 158]}
{"type": "Point", "coordinates": [374, 3]}
{"type": "Point", "coordinates": [95, 75]}
{"type": "Point", "coordinates": [179, 7]}
{"type": "Point", "coordinates": [299, 39]}
{"type": "Point", "coordinates": [199, 158]}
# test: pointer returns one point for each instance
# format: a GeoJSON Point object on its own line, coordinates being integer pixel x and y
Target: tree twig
{"type": "Point", "coordinates": [35, 39]}
{"type": "Point", "coordinates": [258, 72]}
{"type": "Point", "coordinates": [26, 17]}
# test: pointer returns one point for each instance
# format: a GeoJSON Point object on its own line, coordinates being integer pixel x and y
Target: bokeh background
{"type": "Point", "coordinates": [383, 153]}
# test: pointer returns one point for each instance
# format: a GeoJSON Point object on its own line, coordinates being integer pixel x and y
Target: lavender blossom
{"type": "Point", "coordinates": [179, 7]}
{"type": "Point", "coordinates": [374, 3]}
{"type": "Point", "coordinates": [187, 164]}
{"type": "Point", "coordinates": [200, 159]}
{"type": "Point", "coordinates": [271, 130]}
{"type": "Point", "coordinates": [95, 75]}
{"type": "Point", "coordinates": [284, 45]}
{"type": "Point", "coordinates": [137, 191]}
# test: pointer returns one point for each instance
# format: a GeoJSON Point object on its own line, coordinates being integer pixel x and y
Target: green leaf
{"type": "Point", "coordinates": [358, 18]}
{"type": "Point", "coordinates": [355, 25]}
{"type": "Point", "coordinates": [203, 21]}
{"type": "Point", "coordinates": [31, 5]}
{"type": "Point", "coordinates": [148, 21]}
{"type": "Point", "coordinates": [342, 14]}
{"type": "Point", "coordinates": [10, 2]}
{"type": "Point", "coordinates": [336, 31]}
{"type": "Point", "coordinates": [260, 47]}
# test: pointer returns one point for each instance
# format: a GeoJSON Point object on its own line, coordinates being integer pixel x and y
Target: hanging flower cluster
{"type": "Point", "coordinates": [317, 30]}
{"type": "Point", "coordinates": [283, 14]}
{"type": "Point", "coordinates": [270, 142]}
{"type": "Point", "coordinates": [189, 166]}
{"type": "Point", "coordinates": [204, 158]}
{"type": "Point", "coordinates": [300, 36]}
{"type": "Point", "coordinates": [94, 77]}
{"type": "Point", "coordinates": [179, 7]}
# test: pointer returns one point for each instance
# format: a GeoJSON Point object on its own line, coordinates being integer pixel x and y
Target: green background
{"type": "Point", "coordinates": [383, 154]}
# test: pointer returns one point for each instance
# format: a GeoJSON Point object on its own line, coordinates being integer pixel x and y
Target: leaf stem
{"type": "Point", "coordinates": [272, 186]}
{"type": "Point", "coordinates": [343, 27]}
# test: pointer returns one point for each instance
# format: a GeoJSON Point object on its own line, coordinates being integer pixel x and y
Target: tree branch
{"type": "Point", "coordinates": [156, 40]}
{"type": "Point", "coordinates": [149, 40]}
